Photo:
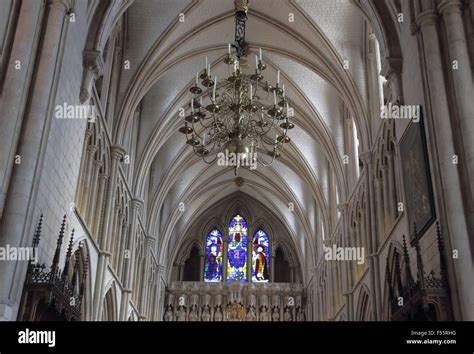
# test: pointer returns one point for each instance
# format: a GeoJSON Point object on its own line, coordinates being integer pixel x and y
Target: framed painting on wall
{"type": "Point", "coordinates": [417, 179]}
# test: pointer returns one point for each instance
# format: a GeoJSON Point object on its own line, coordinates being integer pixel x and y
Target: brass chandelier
{"type": "Point", "coordinates": [233, 117]}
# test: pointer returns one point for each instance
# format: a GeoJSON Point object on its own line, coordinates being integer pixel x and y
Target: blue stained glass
{"type": "Point", "coordinates": [213, 264]}
{"type": "Point", "coordinates": [260, 257]}
{"type": "Point", "coordinates": [237, 252]}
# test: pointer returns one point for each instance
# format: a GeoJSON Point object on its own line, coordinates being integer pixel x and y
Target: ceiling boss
{"type": "Point", "coordinates": [235, 117]}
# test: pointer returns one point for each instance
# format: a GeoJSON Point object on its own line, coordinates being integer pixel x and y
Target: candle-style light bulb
{"type": "Point", "coordinates": [200, 101]}
{"type": "Point", "coordinates": [192, 106]}
{"type": "Point", "coordinates": [284, 93]}
{"type": "Point", "coordinates": [274, 97]}
{"type": "Point", "coordinates": [209, 70]}
{"type": "Point", "coordinates": [206, 62]}
{"type": "Point", "coordinates": [251, 93]}
{"type": "Point", "coordinates": [256, 62]}
{"type": "Point", "coordinates": [260, 54]}
{"type": "Point", "coordinates": [214, 91]}
{"type": "Point", "coordinates": [197, 79]}
{"type": "Point", "coordinates": [278, 77]}
{"type": "Point", "coordinates": [228, 49]}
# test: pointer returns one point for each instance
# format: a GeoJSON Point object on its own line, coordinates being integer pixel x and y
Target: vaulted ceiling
{"type": "Point", "coordinates": [310, 53]}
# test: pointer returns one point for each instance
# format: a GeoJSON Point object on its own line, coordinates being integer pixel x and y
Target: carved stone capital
{"type": "Point", "coordinates": [117, 152]}
{"type": "Point", "coordinates": [93, 68]}
{"type": "Point", "coordinates": [137, 203]}
{"type": "Point", "coordinates": [447, 7]}
{"type": "Point", "coordinates": [64, 5]}
{"type": "Point", "coordinates": [426, 18]}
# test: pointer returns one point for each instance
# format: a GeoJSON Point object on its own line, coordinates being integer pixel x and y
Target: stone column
{"type": "Point", "coordinates": [14, 99]}
{"type": "Point", "coordinates": [93, 194]}
{"type": "Point", "coordinates": [225, 241]}
{"type": "Point", "coordinates": [117, 153]}
{"type": "Point", "coordinates": [121, 252]}
{"type": "Point", "coordinates": [117, 239]}
{"type": "Point", "coordinates": [103, 180]}
{"type": "Point", "coordinates": [462, 78]}
{"type": "Point", "coordinates": [372, 238]}
{"type": "Point", "coordinates": [447, 178]}
{"type": "Point", "coordinates": [379, 209]}
{"type": "Point", "coordinates": [160, 292]}
{"type": "Point", "coordinates": [386, 200]}
{"type": "Point", "coordinates": [18, 214]}
{"type": "Point", "coordinates": [149, 244]}
{"type": "Point", "coordinates": [88, 172]}
{"type": "Point", "coordinates": [345, 242]}
{"type": "Point", "coordinates": [392, 189]}
{"type": "Point", "coordinates": [202, 258]}
{"type": "Point", "coordinates": [272, 267]}
{"type": "Point", "coordinates": [80, 195]}
{"type": "Point", "coordinates": [129, 258]}
{"type": "Point", "coordinates": [249, 257]}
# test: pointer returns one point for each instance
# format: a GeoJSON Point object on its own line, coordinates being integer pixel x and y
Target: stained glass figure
{"type": "Point", "coordinates": [260, 257]}
{"type": "Point", "coordinates": [213, 263]}
{"type": "Point", "coordinates": [237, 252]}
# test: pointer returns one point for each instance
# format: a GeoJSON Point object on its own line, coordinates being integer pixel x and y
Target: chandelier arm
{"type": "Point", "coordinates": [262, 161]}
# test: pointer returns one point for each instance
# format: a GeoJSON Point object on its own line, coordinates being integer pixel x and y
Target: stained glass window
{"type": "Point", "coordinates": [213, 263]}
{"type": "Point", "coordinates": [237, 252]}
{"type": "Point", "coordinates": [260, 257]}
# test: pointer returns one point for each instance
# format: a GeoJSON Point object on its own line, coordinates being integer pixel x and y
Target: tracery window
{"type": "Point", "coordinates": [213, 263]}
{"type": "Point", "coordinates": [237, 252]}
{"type": "Point", "coordinates": [241, 258]}
{"type": "Point", "coordinates": [260, 257]}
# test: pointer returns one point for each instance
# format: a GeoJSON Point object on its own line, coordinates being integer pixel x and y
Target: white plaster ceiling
{"type": "Point", "coordinates": [165, 56]}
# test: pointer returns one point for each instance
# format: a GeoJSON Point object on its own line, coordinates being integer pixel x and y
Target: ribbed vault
{"type": "Point", "coordinates": [311, 53]}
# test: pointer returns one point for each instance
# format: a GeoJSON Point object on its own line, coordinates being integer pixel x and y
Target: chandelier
{"type": "Point", "coordinates": [228, 120]}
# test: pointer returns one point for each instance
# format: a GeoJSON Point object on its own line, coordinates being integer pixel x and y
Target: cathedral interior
{"type": "Point", "coordinates": [117, 202]}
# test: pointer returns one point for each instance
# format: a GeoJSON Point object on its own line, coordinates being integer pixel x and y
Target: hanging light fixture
{"type": "Point", "coordinates": [233, 117]}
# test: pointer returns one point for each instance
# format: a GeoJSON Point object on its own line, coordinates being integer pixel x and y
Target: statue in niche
{"type": "Point", "coordinates": [218, 314]}
{"type": "Point", "coordinates": [300, 315]}
{"type": "Point", "coordinates": [287, 315]}
{"type": "Point", "coordinates": [264, 316]}
{"type": "Point", "coordinates": [181, 314]}
{"type": "Point", "coordinates": [251, 316]}
{"type": "Point", "coordinates": [276, 314]}
{"type": "Point", "coordinates": [206, 314]}
{"type": "Point", "coordinates": [193, 315]}
{"type": "Point", "coordinates": [169, 317]}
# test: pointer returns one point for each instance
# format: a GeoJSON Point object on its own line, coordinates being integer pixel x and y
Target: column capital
{"type": "Point", "coordinates": [103, 177]}
{"type": "Point", "coordinates": [447, 7]}
{"type": "Point", "coordinates": [426, 18]}
{"type": "Point", "coordinates": [137, 203]}
{"type": "Point", "coordinates": [98, 163]}
{"type": "Point", "coordinates": [88, 134]}
{"type": "Point", "coordinates": [65, 5]}
{"type": "Point", "coordinates": [93, 60]}
{"type": "Point", "coordinates": [150, 240]}
{"type": "Point", "coordinates": [117, 152]}
{"type": "Point", "coordinates": [92, 149]}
